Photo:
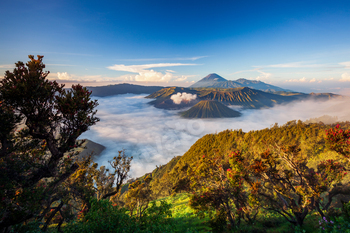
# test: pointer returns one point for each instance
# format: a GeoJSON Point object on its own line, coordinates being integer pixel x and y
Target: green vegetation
{"type": "Point", "coordinates": [290, 178]}
{"type": "Point", "coordinates": [210, 109]}
{"type": "Point", "coordinates": [33, 162]}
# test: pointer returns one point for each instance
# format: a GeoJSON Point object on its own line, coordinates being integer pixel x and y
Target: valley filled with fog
{"type": "Point", "coordinates": [154, 136]}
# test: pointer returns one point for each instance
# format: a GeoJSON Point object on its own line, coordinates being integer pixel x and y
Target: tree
{"type": "Point", "coordinates": [220, 184]}
{"type": "Point", "coordinates": [33, 162]}
{"type": "Point", "coordinates": [339, 140]}
{"type": "Point", "coordinates": [139, 196]}
{"type": "Point", "coordinates": [287, 185]}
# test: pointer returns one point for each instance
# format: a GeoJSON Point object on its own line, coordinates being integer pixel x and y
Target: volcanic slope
{"type": "Point", "coordinates": [123, 88]}
{"type": "Point", "coordinates": [210, 109]}
{"type": "Point", "coordinates": [216, 81]}
{"type": "Point", "coordinates": [162, 98]}
{"type": "Point", "coordinates": [245, 97]}
{"type": "Point", "coordinates": [209, 80]}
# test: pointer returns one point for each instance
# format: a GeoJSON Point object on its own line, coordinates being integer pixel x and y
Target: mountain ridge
{"type": "Point", "coordinates": [210, 109]}
{"type": "Point", "coordinates": [216, 81]}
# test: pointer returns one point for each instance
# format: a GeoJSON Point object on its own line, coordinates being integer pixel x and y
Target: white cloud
{"type": "Point", "coordinates": [345, 77]}
{"type": "Point", "coordinates": [179, 97]}
{"type": "Point", "coordinates": [153, 76]}
{"type": "Point", "coordinates": [346, 64]}
{"type": "Point", "coordinates": [313, 80]}
{"type": "Point", "coordinates": [182, 78]}
{"type": "Point", "coordinates": [64, 76]}
{"type": "Point", "coordinates": [141, 68]}
{"type": "Point", "coordinates": [263, 75]}
{"type": "Point", "coordinates": [145, 75]}
{"type": "Point", "coordinates": [154, 136]}
{"type": "Point", "coordinates": [302, 80]}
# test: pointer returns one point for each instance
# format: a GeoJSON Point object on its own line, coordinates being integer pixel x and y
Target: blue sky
{"type": "Point", "coordinates": [300, 45]}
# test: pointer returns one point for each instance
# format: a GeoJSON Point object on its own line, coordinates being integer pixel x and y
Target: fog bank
{"type": "Point", "coordinates": [154, 136]}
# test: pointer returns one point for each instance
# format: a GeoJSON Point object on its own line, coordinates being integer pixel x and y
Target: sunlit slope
{"type": "Point", "coordinates": [245, 97]}
{"type": "Point", "coordinates": [210, 109]}
{"type": "Point", "coordinates": [258, 85]}
{"type": "Point", "coordinates": [162, 98]}
{"type": "Point", "coordinates": [216, 81]}
{"type": "Point", "coordinates": [169, 91]}
{"type": "Point", "coordinates": [309, 138]}
{"type": "Point", "coordinates": [209, 80]}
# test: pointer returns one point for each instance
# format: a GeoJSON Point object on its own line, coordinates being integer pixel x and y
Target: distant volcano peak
{"type": "Point", "coordinates": [210, 109]}
{"type": "Point", "coordinates": [214, 77]}
{"type": "Point", "coordinates": [209, 80]}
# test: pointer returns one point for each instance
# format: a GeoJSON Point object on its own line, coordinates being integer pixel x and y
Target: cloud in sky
{"type": "Point", "coordinates": [301, 80]}
{"type": "Point", "coordinates": [64, 76]}
{"type": "Point", "coordinates": [345, 77]}
{"type": "Point", "coordinates": [146, 75]}
{"type": "Point", "coordinates": [69, 77]}
{"type": "Point", "coordinates": [141, 68]}
{"type": "Point", "coordinates": [263, 75]}
{"type": "Point", "coordinates": [154, 136]}
{"type": "Point", "coordinates": [346, 64]}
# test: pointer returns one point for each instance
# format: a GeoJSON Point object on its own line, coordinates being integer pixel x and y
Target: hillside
{"type": "Point", "coordinates": [209, 80]}
{"type": "Point", "coordinates": [210, 109]}
{"type": "Point", "coordinates": [309, 137]}
{"type": "Point", "coordinates": [162, 98]}
{"type": "Point", "coordinates": [123, 88]}
{"type": "Point", "coordinates": [89, 148]}
{"type": "Point", "coordinates": [245, 97]}
{"type": "Point", "coordinates": [242, 96]}
{"type": "Point", "coordinates": [216, 81]}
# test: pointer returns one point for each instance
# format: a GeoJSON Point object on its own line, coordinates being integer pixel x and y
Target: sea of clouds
{"type": "Point", "coordinates": [154, 136]}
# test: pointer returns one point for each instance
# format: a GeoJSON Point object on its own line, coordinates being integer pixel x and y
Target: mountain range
{"type": "Point", "coordinates": [124, 88]}
{"type": "Point", "coordinates": [248, 94]}
{"type": "Point", "coordinates": [210, 109]}
{"type": "Point", "coordinates": [216, 81]}
{"type": "Point", "coordinates": [244, 97]}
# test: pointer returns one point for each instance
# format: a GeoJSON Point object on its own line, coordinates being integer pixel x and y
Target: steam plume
{"type": "Point", "coordinates": [179, 97]}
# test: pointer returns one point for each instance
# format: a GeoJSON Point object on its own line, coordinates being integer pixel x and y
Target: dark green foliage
{"type": "Point", "coordinates": [104, 217]}
{"type": "Point", "coordinates": [33, 163]}
{"type": "Point", "coordinates": [218, 222]}
{"type": "Point", "coordinates": [210, 109]}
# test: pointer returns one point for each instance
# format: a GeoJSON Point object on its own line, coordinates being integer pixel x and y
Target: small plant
{"type": "Point", "coordinates": [338, 225]}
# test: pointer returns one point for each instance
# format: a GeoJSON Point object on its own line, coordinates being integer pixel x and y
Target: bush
{"type": "Point", "coordinates": [104, 217]}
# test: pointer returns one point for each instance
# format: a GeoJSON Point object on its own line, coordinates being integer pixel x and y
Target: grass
{"type": "Point", "coordinates": [185, 218]}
